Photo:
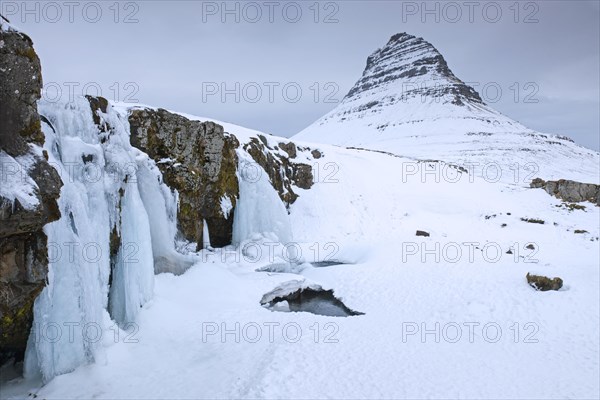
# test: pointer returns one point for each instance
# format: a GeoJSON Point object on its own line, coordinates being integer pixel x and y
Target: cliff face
{"type": "Point", "coordinates": [281, 165]}
{"type": "Point", "coordinates": [29, 189]}
{"type": "Point", "coordinates": [197, 159]}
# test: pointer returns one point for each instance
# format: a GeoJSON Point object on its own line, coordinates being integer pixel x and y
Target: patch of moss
{"type": "Point", "coordinates": [15, 325]}
{"type": "Point", "coordinates": [28, 52]}
{"type": "Point", "coordinates": [33, 132]}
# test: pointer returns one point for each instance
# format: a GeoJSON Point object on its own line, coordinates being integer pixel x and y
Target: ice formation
{"type": "Point", "coordinates": [259, 212]}
{"type": "Point", "coordinates": [110, 190]}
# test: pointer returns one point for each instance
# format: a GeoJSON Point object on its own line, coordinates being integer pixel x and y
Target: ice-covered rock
{"type": "Point", "coordinates": [197, 157]}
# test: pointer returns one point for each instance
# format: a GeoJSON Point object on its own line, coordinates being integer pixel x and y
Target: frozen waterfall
{"type": "Point", "coordinates": [104, 248]}
{"type": "Point", "coordinates": [259, 213]}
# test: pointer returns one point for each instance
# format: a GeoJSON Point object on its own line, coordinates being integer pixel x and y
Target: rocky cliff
{"type": "Point", "coordinates": [29, 189]}
{"type": "Point", "coordinates": [281, 163]}
{"type": "Point", "coordinates": [199, 160]}
{"type": "Point", "coordinates": [568, 190]}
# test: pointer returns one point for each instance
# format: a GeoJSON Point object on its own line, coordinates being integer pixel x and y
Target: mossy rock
{"type": "Point", "coordinates": [543, 283]}
{"type": "Point", "coordinates": [33, 132]}
{"type": "Point", "coordinates": [16, 320]}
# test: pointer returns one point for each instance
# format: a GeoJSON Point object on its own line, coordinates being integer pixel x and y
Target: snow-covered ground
{"type": "Point", "coordinates": [445, 316]}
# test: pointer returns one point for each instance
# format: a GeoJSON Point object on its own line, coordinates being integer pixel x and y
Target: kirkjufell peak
{"type": "Point", "coordinates": [409, 102]}
{"type": "Point", "coordinates": [419, 67]}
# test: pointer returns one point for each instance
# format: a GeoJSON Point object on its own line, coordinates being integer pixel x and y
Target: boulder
{"type": "Point", "coordinates": [543, 283]}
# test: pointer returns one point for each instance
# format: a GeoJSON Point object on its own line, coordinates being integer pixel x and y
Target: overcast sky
{"type": "Point", "coordinates": [243, 62]}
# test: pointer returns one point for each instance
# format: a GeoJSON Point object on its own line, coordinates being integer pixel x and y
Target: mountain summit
{"type": "Point", "coordinates": [409, 60]}
{"type": "Point", "coordinates": [409, 102]}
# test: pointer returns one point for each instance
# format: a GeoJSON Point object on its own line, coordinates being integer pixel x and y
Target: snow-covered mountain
{"type": "Point", "coordinates": [409, 102]}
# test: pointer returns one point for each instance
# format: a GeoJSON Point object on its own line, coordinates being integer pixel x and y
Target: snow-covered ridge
{"type": "Point", "coordinates": [409, 102]}
{"type": "Point", "coordinates": [243, 134]}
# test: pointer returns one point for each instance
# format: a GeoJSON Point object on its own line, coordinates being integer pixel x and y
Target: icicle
{"type": "Point", "coordinates": [133, 274]}
{"type": "Point", "coordinates": [205, 235]}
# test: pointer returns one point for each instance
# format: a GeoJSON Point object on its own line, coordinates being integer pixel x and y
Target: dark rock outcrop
{"type": "Point", "coordinates": [284, 172]}
{"type": "Point", "coordinates": [571, 191]}
{"type": "Point", "coordinates": [23, 244]}
{"type": "Point", "coordinates": [20, 72]}
{"type": "Point", "coordinates": [199, 160]}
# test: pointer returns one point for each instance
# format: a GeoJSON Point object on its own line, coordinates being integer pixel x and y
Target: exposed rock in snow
{"type": "Point", "coordinates": [543, 283]}
{"type": "Point", "coordinates": [570, 190]}
{"type": "Point", "coordinates": [285, 169]}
